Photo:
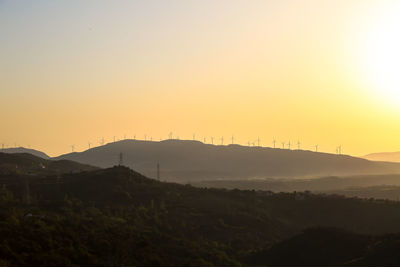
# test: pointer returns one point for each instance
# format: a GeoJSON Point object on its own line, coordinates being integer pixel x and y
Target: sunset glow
{"type": "Point", "coordinates": [322, 72]}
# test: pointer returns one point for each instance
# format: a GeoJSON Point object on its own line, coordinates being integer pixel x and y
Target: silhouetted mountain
{"type": "Point", "coordinates": [24, 163]}
{"type": "Point", "coordinates": [384, 156]}
{"type": "Point", "coordinates": [184, 161]}
{"type": "Point", "coordinates": [34, 152]}
{"type": "Point", "coordinates": [116, 216]}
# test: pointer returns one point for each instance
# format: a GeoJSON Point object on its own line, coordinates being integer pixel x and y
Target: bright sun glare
{"type": "Point", "coordinates": [382, 54]}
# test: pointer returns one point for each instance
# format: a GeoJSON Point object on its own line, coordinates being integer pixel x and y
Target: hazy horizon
{"type": "Point", "coordinates": [322, 72]}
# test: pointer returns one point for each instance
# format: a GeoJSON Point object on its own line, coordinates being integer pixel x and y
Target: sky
{"type": "Point", "coordinates": [318, 72]}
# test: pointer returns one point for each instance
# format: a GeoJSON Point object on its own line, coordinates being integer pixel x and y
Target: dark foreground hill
{"type": "Point", "coordinates": [331, 247]}
{"type": "Point", "coordinates": [184, 161]}
{"type": "Point", "coordinates": [24, 163]}
{"type": "Point", "coordinates": [117, 217]}
{"type": "Point", "coordinates": [34, 152]}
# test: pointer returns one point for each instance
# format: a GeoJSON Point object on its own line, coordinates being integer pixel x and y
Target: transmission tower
{"type": "Point", "coordinates": [158, 171]}
{"type": "Point", "coordinates": [121, 159]}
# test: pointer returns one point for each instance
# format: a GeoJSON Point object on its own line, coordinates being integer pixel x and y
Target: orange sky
{"type": "Point", "coordinates": [77, 71]}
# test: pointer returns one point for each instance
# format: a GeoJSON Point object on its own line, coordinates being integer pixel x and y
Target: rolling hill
{"type": "Point", "coordinates": [185, 161]}
{"type": "Point", "coordinates": [316, 184]}
{"type": "Point", "coordinates": [28, 164]}
{"type": "Point", "coordinates": [384, 156]}
{"type": "Point", "coordinates": [118, 217]}
{"type": "Point", "coordinates": [34, 152]}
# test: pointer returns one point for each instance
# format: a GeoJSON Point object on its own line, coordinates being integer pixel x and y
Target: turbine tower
{"type": "Point", "coordinates": [298, 145]}
{"type": "Point", "coordinates": [212, 140]}
{"type": "Point", "coordinates": [233, 138]}
{"type": "Point", "coordinates": [170, 135]}
{"type": "Point", "coordinates": [258, 141]}
{"type": "Point", "coordinates": [274, 142]}
{"type": "Point", "coordinates": [145, 137]}
{"type": "Point", "coordinates": [289, 145]}
{"type": "Point", "coordinates": [283, 145]}
{"type": "Point", "coordinates": [222, 140]}
{"type": "Point", "coordinates": [89, 144]}
{"type": "Point", "coordinates": [114, 138]}
{"type": "Point", "coordinates": [194, 136]}
{"type": "Point", "coordinates": [72, 148]}
{"type": "Point", "coordinates": [316, 148]}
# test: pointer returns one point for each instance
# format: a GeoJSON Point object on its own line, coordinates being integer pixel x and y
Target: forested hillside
{"type": "Point", "coordinates": [117, 216]}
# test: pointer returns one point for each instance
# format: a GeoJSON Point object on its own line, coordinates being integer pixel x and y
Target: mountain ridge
{"type": "Point", "coordinates": [34, 152]}
{"type": "Point", "coordinates": [186, 160]}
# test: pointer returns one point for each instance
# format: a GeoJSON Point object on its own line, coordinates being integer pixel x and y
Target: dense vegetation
{"type": "Point", "coordinates": [116, 217]}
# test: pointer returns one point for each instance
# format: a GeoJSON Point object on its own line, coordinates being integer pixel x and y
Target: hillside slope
{"type": "Point", "coordinates": [34, 152]}
{"type": "Point", "coordinates": [116, 216]}
{"type": "Point", "coordinates": [184, 161]}
{"type": "Point", "coordinates": [384, 156]}
{"type": "Point", "coordinates": [23, 163]}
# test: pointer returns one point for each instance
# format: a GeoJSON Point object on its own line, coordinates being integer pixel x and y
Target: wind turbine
{"type": "Point", "coordinates": [204, 140]}
{"type": "Point", "coordinates": [114, 138]}
{"type": "Point", "coordinates": [283, 145]}
{"type": "Point", "coordinates": [222, 140]}
{"type": "Point", "coordinates": [274, 142]}
{"type": "Point", "coordinates": [289, 145]}
{"type": "Point", "coordinates": [233, 138]}
{"type": "Point", "coordinates": [194, 136]}
{"type": "Point", "coordinates": [145, 137]}
{"type": "Point", "coordinates": [316, 148]}
{"type": "Point", "coordinates": [258, 141]}
{"type": "Point", "coordinates": [170, 135]}
{"type": "Point", "coordinates": [72, 148]}
{"type": "Point", "coordinates": [212, 140]}
{"type": "Point", "coordinates": [89, 144]}
{"type": "Point", "coordinates": [298, 145]}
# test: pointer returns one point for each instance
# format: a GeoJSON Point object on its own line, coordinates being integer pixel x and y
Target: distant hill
{"type": "Point", "coordinates": [384, 156]}
{"type": "Point", "coordinates": [184, 161]}
{"type": "Point", "coordinates": [315, 185]}
{"type": "Point", "coordinates": [34, 152]}
{"type": "Point", "coordinates": [24, 163]}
